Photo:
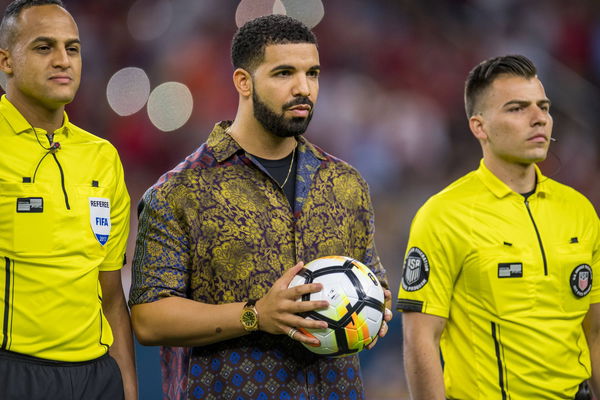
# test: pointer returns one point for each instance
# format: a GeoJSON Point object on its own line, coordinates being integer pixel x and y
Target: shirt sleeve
{"type": "Point", "coordinates": [162, 251]}
{"type": "Point", "coordinates": [595, 237]}
{"type": "Point", "coordinates": [432, 263]}
{"type": "Point", "coordinates": [116, 246]}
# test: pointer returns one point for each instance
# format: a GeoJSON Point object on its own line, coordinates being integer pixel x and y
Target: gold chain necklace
{"type": "Point", "coordinates": [289, 170]}
{"type": "Point", "coordinates": [228, 131]}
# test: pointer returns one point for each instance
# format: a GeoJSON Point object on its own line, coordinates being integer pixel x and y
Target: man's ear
{"type": "Point", "coordinates": [477, 126]}
{"type": "Point", "coordinates": [242, 80]}
{"type": "Point", "coordinates": [5, 62]}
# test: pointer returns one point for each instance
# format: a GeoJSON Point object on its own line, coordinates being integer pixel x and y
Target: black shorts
{"type": "Point", "coordinates": [24, 377]}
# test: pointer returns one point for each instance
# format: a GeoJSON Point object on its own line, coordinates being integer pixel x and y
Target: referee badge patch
{"type": "Point", "coordinates": [581, 280]}
{"type": "Point", "coordinates": [416, 270]}
{"type": "Point", "coordinates": [100, 218]}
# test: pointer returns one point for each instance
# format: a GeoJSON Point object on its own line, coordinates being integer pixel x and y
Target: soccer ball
{"type": "Point", "coordinates": [356, 305]}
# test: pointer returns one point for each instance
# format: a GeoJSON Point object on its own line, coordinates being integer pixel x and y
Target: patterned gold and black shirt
{"type": "Point", "coordinates": [218, 229]}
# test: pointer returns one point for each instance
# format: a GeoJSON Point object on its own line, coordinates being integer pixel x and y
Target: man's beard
{"type": "Point", "coordinates": [277, 123]}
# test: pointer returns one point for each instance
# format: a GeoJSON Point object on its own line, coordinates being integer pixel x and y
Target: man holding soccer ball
{"type": "Point", "coordinates": [221, 236]}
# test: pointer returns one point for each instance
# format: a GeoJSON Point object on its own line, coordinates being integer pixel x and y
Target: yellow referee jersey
{"type": "Point", "coordinates": [514, 278]}
{"type": "Point", "coordinates": [64, 216]}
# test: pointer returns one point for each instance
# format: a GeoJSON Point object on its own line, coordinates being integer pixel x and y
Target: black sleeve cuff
{"type": "Point", "coordinates": [409, 305]}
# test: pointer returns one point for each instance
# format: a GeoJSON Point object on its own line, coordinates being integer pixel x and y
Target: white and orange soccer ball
{"type": "Point", "coordinates": [356, 304]}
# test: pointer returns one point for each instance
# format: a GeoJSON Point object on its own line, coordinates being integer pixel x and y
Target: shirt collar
{"type": "Point", "coordinates": [501, 189]}
{"type": "Point", "coordinates": [19, 124]}
{"type": "Point", "coordinates": [224, 146]}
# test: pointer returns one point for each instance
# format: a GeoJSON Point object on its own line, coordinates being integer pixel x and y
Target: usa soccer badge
{"type": "Point", "coordinates": [416, 270]}
{"type": "Point", "coordinates": [581, 280]}
{"type": "Point", "coordinates": [100, 218]}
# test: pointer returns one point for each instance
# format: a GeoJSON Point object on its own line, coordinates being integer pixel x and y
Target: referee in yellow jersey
{"type": "Point", "coordinates": [501, 265]}
{"type": "Point", "coordinates": [65, 332]}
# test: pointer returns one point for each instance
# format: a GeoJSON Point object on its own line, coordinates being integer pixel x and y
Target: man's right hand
{"type": "Point", "coordinates": [278, 309]}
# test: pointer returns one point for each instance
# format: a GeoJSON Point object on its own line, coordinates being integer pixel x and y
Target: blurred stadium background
{"type": "Point", "coordinates": [157, 76]}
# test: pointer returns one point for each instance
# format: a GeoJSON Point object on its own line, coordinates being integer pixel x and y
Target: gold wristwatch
{"type": "Point", "coordinates": [249, 316]}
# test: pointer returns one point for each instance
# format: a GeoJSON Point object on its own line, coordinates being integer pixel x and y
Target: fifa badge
{"type": "Point", "coordinates": [100, 218]}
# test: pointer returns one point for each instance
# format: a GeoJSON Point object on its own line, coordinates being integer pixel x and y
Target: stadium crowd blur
{"type": "Point", "coordinates": [391, 100]}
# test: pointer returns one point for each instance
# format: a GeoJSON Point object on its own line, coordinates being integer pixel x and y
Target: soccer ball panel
{"type": "Point", "coordinates": [369, 283]}
{"type": "Point", "coordinates": [337, 287]}
{"type": "Point", "coordinates": [297, 281]}
{"type": "Point", "coordinates": [374, 319]}
{"type": "Point", "coordinates": [326, 337]}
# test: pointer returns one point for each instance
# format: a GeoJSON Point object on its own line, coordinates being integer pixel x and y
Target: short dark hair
{"type": "Point", "coordinates": [248, 44]}
{"type": "Point", "coordinates": [482, 76]}
{"type": "Point", "coordinates": [13, 10]}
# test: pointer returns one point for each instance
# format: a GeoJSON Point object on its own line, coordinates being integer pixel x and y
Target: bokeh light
{"type": "Point", "coordinates": [128, 90]}
{"type": "Point", "coordinates": [250, 9]}
{"type": "Point", "coordinates": [279, 8]}
{"type": "Point", "coordinates": [149, 19]}
{"type": "Point", "coordinates": [170, 106]}
{"type": "Point", "coordinates": [310, 12]}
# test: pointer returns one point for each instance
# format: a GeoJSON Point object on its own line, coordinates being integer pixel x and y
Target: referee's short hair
{"type": "Point", "coordinates": [482, 76]}
{"type": "Point", "coordinates": [249, 42]}
{"type": "Point", "coordinates": [12, 12]}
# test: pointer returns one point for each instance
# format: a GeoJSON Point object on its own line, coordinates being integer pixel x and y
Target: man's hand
{"type": "Point", "coordinates": [278, 308]}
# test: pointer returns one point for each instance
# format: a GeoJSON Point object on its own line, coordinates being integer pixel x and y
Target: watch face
{"type": "Point", "coordinates": [248, 319]}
